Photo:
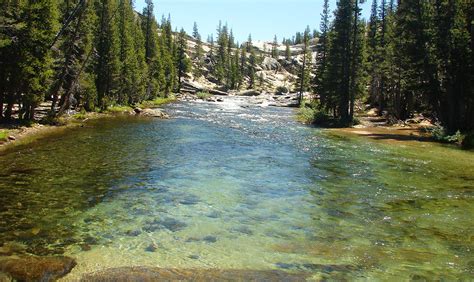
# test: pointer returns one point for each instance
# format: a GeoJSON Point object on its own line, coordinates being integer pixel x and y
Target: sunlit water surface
{"type": "Point", "coordinates": [230, 186]}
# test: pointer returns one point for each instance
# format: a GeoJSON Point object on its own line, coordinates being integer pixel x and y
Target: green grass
{"type": "Point", "coordinates": [157, 102]}
{"type": "Point", "coordinates": [203, 95]}
{"type": "Point", "coordinates": [82, 115]}
{"type": "Point", "coordinates": [119, 109]}
{"type": "Point", "coordinates": [4, 135]}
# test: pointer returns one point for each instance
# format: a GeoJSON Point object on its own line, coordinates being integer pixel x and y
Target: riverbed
{"type": "Point", "coordinates": [235, 186]}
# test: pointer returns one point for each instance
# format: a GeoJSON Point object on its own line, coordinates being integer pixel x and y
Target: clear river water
{"type": "Point", "coordinates": [236, 186]}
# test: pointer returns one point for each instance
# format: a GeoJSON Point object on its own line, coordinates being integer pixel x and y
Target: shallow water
{"type": "Point", "coordinates": [232, 186]}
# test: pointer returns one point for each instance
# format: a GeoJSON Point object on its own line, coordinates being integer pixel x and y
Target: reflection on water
{"type": "Point", "coordinates": [229, 186]}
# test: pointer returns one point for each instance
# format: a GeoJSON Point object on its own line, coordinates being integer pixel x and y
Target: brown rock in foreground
{"type": "Point", "coordinates": [37, 268]}
{"type": "Point", "coordinates": [143, 274]}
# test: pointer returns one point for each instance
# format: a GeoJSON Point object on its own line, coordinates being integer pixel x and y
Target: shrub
{"type": "Point", "coordinates": [157, 102]}
{"type": "Point", "coordinates": [119, 109]}
{"type": "Point", "coordinates": [203, 95]}
{"type": "Point", "coordinates": [3, 135]}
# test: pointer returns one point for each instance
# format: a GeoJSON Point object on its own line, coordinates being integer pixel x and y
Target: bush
{"type": "Point", "coordinates": [203, 95]}
{"type": "Point", "coordinates": [119, 109]}
{"type": "Point", "coordinates": [157, 102]}
{"type": "Point", "coordinates": [312, 115]}
{"type": "Point", "coordinates": [82, 115]}
{"type": "Point", "coordinates": [468, 141]}
{"type": "Point", "coordinates": [3, 135]}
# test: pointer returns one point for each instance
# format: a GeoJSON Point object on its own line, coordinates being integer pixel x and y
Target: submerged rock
{"type": "Point", "coordinates": [169, 223]}
{"type": "Point", "coordinates": [37, 268]}
{"type": "Point", "coordinates": [210, 239]}
{"type": "Point", "coordinates": [151, 248]}
{"type": "Point", "coordinates": [162, 274]}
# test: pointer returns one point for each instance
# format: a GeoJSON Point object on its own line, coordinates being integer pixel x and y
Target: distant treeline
{"type": "Point", "coordinates": [412, 56]}
{"type": "Point", "coordinates": [93, 52]}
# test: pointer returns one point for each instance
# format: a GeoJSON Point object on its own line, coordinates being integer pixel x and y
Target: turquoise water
{"type": "Point", "coordinates": [236, 186]}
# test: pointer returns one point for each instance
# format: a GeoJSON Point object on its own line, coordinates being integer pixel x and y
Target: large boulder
{"type": "Point", "coordinates": [37, 268]}
{"type": "Point", "coordinates": [154, 113]}
{"type": "Point", "coordinates": [271, 64]}
{"type": "Point", "coordinates": [248, 93]}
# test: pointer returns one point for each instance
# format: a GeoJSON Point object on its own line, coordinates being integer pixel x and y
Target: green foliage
{"type": "Point", "coordinates": [440, 134]}
{"type": "Point", "coordinates": [310, 114]}
{"type": "Point", "coordinates": [157, 102]}
{"type": "Point", "coordinates": [4, 135]}
{"type": "Point", "coordinates": [118, 109]}
{"type": "Point", "coordinates": [82, 115]}
{"type": "Point", "coordinates": [203, 95]}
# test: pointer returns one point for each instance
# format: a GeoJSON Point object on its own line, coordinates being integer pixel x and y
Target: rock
{"type": "Point", "coordinates": [210, 239]}
{"type": "Point", "coordinates": [211, 99]}
{"type": "Point", "coordinates": [271, 64]}
{"type": "Point", "coordinates": [37, 268]}
{"type": "Point", "coordinates": [169, 223]}
{"type": "Point", "coordinates": [220, 100]}
{"type": "Point", "coordinates": [133, 233]}
{"type": "Point", "coordinates": [138, 111]}
{"type": "Point", "coordinates": [162, 274]}
{"type": "Point", "coordinates": [154, 113]}
{"type": "Point", "coordinates": [251, 92]}
{"type": "Point", "coordinates": [151, 248]}
{"type": "Point", "coordinates": [11, 138]}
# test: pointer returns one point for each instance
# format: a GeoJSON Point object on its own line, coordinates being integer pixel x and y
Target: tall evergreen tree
{"type": "Point", "coordinates": [107, 64]}
{"type": "Point", "coordinates": [322, 54]}
{"type": "Point", "coordinates": [275, 53]}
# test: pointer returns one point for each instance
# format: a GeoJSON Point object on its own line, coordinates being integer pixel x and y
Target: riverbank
{"type": "Point", "coordinates": [15, 133]}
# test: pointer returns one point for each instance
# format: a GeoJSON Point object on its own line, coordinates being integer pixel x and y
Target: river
{"type": "Point", "coordinates": [238, 186]}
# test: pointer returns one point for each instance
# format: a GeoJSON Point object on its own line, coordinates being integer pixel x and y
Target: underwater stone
{"type": "Point", "coordinates": [37, 268]}
{"type": "Point", "coordinates": [90, 240]}
{"type": "Point", "coordinates": [243, 229]}
{"type": "Point", "coordinates": [170, 223]}
{"type": "Point", "coordinates": [134, 233]}
{"type": "Point", "coordinates": [151, 248]}
{"type": "Point", "coordinates": [190, 200]}
{"type": "Point", "coordinates": [210, 239]}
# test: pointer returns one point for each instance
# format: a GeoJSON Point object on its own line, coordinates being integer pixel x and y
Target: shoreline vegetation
{"type": "Point", "coordinates": [16, 133]}
{"type": "Point", "coordinates": [369, 123]}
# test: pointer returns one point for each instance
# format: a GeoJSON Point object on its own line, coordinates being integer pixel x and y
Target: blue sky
{"type": "Point", "coordinates": [262, 18]}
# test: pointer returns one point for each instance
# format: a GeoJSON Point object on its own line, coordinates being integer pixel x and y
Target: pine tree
{"type": "Point", "coordinates": [322, 55]}
{"type": "Point", "coordinates": [252, 64]}
{"type": "Point", "coordinates": [35, 58]}
{"type": "Point", "coordinates": [243, 60]}
{"type": "Point", "coordinates": [275, 48]}
{"type": "Point", "coordinates": [198, 53]}
{"type": "Point", "coordinates": [287, 51]}
{"type": "Point", "coordinates": [339, 61]}
{"type": "Point", "coordinates": [74, 61]}
{"type": "Point", "coordinates": [222, 56]}
{"type": "Point", "coordinates": [304, 77]}
{"type": "Point", "coordinates": [183, 62]}
{"type": "Point", "coordinates": [107, 64]}
{"type": "Point", "coordinates": [196, 34]}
